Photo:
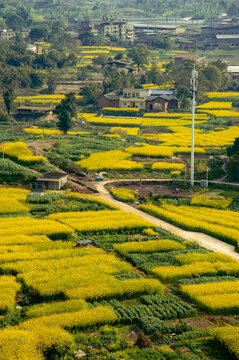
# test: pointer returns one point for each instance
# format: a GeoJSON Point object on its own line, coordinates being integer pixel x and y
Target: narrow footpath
{"type": "Point", "coordinates": [201, 239]}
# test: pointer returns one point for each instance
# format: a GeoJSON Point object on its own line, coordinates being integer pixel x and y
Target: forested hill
{"type": "Point", "coordinates": [71, 10]}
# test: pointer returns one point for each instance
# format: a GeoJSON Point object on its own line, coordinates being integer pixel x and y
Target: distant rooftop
{"type": "Point", "coordinates": [233, 69]}
{"type": "Point", "coordinates": [54, 174]}
{"type": "Point", "coordinates": [162, 92]}
{"type": "Point", "coordinates": [227, 36]}
{"type": "Point", "coordinates": [185, 56]}
{"type": "Point", "coordinates": [34, 108]}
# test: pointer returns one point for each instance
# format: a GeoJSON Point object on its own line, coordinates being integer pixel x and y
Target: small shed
{"type": "Point", "coordinates": [51, 181]}
{"type": "Point", "coordinates": [180, 59]}
{"type": "Point", "coordinates": [29, 110]}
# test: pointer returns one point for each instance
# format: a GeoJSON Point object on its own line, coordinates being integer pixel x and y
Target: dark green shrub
{"type": "Point", "coordinates": [11, 172]}
{"type": "Point", "coordinates": [151, 324]}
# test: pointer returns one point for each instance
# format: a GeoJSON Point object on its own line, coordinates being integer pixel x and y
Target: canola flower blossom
{"type": "Point", "coordinates": [220, 95]}
{"type": "Point", "coordinates": [221, 224]}
{"type": "Point", "coordinates": [218, 203]}
{"type": "Point", "coordinates": [124, 194]}
{"type": "Point", "coordinates": [110, 160]}
{"type": "Point", "coordinates": [216, 105]}
{"type": "Point", "coordinates": [167, 166]}
{"type": "Point", "coordinates": [53, 132]}
{"type": "Point", "coordinates": [105, 220]}
{"type": "Point", "coordinates": [43, 98]}
{"type": "Point", "coordinates": [222, 113]}
{"type": "Point", "coordinates": [11, 201]}
{"type": "Point", "coordinates": [19, 152]}
{"type": "Point", "coordinates": [228, 336]}
{"type": "Point", "coordinates": [133, 131]}
{"type": "Point", "coordinates": [217, 297]}
{"type": "Point", "coordinates": [148, 246]}
{"type": "Point", "coordinates": [133, 110]}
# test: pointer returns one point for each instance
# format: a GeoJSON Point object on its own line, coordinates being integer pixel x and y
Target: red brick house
{"type": "Point", "coordinates": [164, 102]}
{"type": "Point", "coordinates": [109, 100]}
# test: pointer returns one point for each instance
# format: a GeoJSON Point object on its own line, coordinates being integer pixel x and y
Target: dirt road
{"type": "Point", "coordinates": [202, 239]}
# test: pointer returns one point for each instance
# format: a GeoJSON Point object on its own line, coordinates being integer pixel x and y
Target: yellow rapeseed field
{"type": "Point", "coordinates": [19, 151]}
{"type": "Point", "coordinates": [110, 160]}
{"type": "Point", "coordinates": [228, 336]}
{"type": "Point", "coordinates": [12, 201]}
{"type": "Point", "coordinates": [222, 224]}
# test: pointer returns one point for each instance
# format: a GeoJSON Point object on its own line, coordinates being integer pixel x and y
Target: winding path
{"type": "Point", "coordinates": [201, 239]}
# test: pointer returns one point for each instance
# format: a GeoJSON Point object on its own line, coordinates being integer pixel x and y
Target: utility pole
{"type": "Point", "coordinates": [194, 84]}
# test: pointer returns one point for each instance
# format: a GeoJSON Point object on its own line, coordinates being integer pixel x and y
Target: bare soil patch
{"type": "Point", "coordinates": [144, 189]}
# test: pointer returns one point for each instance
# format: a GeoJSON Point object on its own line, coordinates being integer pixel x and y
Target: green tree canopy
{"type": "Point", "coordinates": [66, 111]}
{"type": "Point", "coordinates": [8, 97]}
{"type": "Point", "coordinates": [155, 75]}
{"type": "Point", "coordinates": [91, 94]}
{"type": "Point", "coordinates": [139, 54]}
{"type": "Point", "coordinates": [234, 149]}
{"type": "Point", "coordinates": [39, 32]}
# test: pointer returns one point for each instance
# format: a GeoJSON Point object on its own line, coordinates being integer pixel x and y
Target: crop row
{"type": "Point", "coordinates": [110, 160]}
{"type": "Point", "coordinates": [9, 288]}
{"type": "Point", "coordinates": [228, 337]}
{"type": "Point", "coordinates": [96, 221]}
{"type": "Point", "coordinates": [151, 260]}
{"type": "Point", "coordinates": [32, 339]}
{"type": "Point", "coordinates": [217, 297]}
{"type": "Point", "coordinates": [124, 194]}
{"type": "Point", "coordinates": [220, 203]}
{"type": "Point", "coordinates": [30, 226]}
{"type": "Point", "coordinates": [222, 113]}
{"type": "Point", "coordinates": [11, 201]}
{"type": "Point", "coordinates": [52, 132]}
{"type": "Point", "coordinates": [148, 246]}
{"type": "Point", "coordinates": [164, 307]}
{"type": "Point", "coordinates": [19, 152]}
{"type": "Point", "coordinates": [215, 105]}
{"type": "Point", "coordinates": [175, 273]}
{"type": "Point", "coordinates": [222, 224]}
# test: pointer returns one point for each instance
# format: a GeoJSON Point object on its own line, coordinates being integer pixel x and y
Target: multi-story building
{"type": "Point", "coordinates": [118, 29]}
{"type": "Point", "coordinates": [10, 34]}
{"type": "Point", "coordinates": [221, 36]}
{"type": "Point", "coordinates": [143, 99]}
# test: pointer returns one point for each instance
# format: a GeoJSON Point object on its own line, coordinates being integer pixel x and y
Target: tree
{"type": "Point", "coordinates": [72, 59]}
{"type": "Point", "coordinates": [86, 38]}
{"type": "Point", "coordinates": [118, 56]}
{"type": "Point", "coordinates": [155, 75]}
{"type": "Point", "coordinates": [91, 93]}
{"type": "Point", "coordinates": [233, 10]}
{"type": "Point", "coordinates": [66, 111]}
{"type": "Point", "coordinates": [183, 93]}
{"type": "Point", "coordinates": [214, 75]}
{"type": "Point", "coordinates": [119, 81]}
{"type": "Point", "coordinates": [51, 82]}
{"type": "Point", "coordinates": [234, 149]}
{"type": "Point", "coordinates": [165, 43]}
{"type": "Point", "coordinates": [4, 117]}
{"type": "Point", "coordinates": [139, 54]}
{"type": "Point", "coordinates": [233, 163]}
{"type": "Point", "coordinates": [14, 21]}
{"type": "Point", "coordinates": [36, 79]}
{"type": "Point", "coordinates": [101, 60]}
{"type": "Point", "coordinates": [39, 32]}
{"type": "Point", "coordinates": [221, 65]}
{"type": "Point", "coordinates": [233, 167]}
{"type": "Point", "coordinates": [8, 97]}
